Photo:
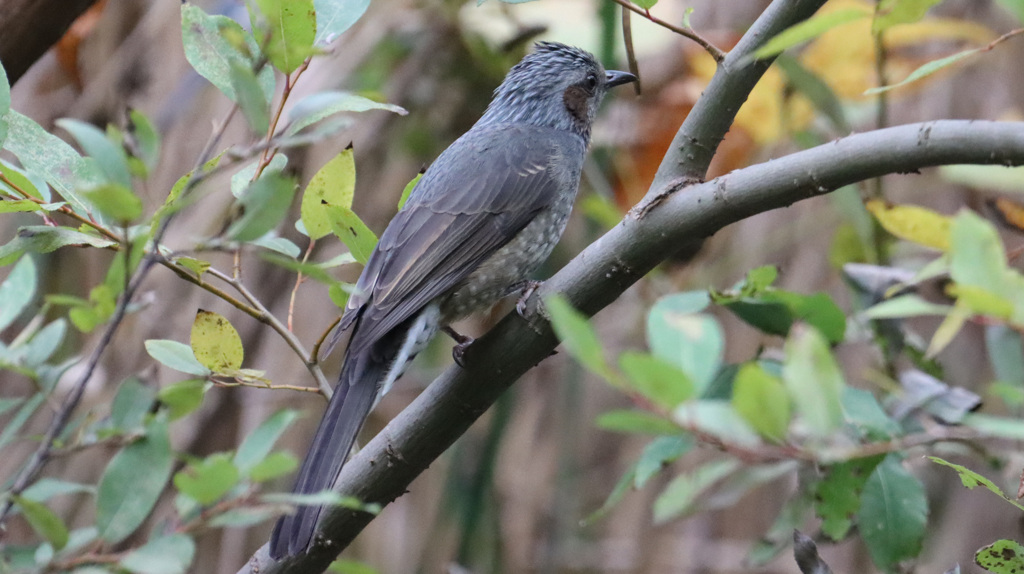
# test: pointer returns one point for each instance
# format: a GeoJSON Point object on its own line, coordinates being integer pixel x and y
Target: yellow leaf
{"type": "Point", "coordinates": [215, 343]}
{"type": "Point", "coordinates": [948, 329]}
{"type": "Point", "coordinates": [334, 184]}
{"type": "Point", "coordinates": [844, 57]}
{"type": "Point", "coordinates": [913, 223]}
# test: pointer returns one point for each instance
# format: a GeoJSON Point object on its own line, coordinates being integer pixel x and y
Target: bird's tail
{"type": "Point", "coordinates": [366, 375]}
{"type": "Point", "coordinates": [356, 393]}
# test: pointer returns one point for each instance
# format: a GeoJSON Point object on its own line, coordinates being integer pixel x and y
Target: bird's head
{"type": "Point", "coordinates": [556, 86]}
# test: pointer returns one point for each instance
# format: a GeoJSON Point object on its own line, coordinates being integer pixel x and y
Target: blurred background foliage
{"type": "Point", "coordinates": [526, 490]}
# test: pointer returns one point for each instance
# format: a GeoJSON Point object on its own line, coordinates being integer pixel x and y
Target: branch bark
{"type": "Point", "coordinates": [31, 27]}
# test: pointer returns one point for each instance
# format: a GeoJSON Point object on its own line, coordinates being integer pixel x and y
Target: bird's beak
{"type": "Point", "coordinates": [615, 78]}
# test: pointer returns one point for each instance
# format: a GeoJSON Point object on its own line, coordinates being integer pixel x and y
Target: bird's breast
{"type": "Point", "coordinates": [504, 271]}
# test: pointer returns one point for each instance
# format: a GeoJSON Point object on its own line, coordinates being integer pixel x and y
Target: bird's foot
{"type": "Point", "coordinates": [462, 343]}
{"type": "Point", "coordinates": [528, 290]}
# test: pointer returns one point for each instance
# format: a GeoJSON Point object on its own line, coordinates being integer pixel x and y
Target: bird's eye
{"type": "Point", "coordinates": [591, 81]}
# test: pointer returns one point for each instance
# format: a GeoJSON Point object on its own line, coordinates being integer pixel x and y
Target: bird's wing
{"type": "Point", "coordinates": [476, 197]}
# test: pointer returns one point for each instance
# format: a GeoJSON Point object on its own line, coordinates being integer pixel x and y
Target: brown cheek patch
{"type": "Point", "coordinates": [575, 99]}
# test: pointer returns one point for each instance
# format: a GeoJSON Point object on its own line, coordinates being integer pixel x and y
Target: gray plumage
{"type": "Point", "coordinates": [484, 216]}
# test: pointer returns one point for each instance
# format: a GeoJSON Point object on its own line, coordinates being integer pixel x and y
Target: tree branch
{"type": "Point", "coordinates": [31, 27]}
{"type": "Point", "coordinates": [383, 470]}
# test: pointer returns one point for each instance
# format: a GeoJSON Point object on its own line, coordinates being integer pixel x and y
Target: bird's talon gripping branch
{"type": "Point", "coordinates": [462, 343]}
{"type": "Point", "coordinates": [529, 289]}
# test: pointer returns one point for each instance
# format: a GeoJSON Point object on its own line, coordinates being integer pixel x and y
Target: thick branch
{"type": "Point", "coordinates": [30, 27]}
{"type": "Point", "coordinates": [383, 470]}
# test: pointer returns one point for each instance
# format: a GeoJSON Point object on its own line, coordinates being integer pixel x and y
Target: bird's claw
{"type": "Point", "coordinates": [462, 343]}
{"type": "Point", "coordinates": [529, 288]}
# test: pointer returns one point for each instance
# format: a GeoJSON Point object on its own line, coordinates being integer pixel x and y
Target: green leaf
{"type": "Point", "coordinates": [948, 329]}
{"type": "Point", "coordinates": [577, 335]}
{"type": "Point", "coordinates": [814, 381]}
{"type": "Point", "coordinates": [213, 43]}
{"type": "Point", "coordinates": [971, 480]}
{"type": "Point", "coordinates": [1001, 557]}
{"type": "Point", "coordinates": [816, 309]}
{"type": "Point", "coordinates": [177, 356]}
{"type": "Point", "coordinates": [94, 142]}
{"type": "Point", "coordinates": [925, 70]}
{"type": "Point", "coordinates": [343, 566]}
{"type": "Point", "coordinates": [216, 343]}
{"type": "Point", "coordinates": [44, 521]}
{"type": "Point", "coordinates": [682, 495]}
{"type": "Point", "coordinates": [243, 517]}
{"type": "Point", "coordinates": [44, 239]}
{"type": "Point", "coordinates": [171, 554]}
{"type": "Point", "coordinates": [275, 465]}
{"type": "Point", "coordinates": [692, 342]}
{"type": "Point", "coordinates": [29, 183]}
{"type": "Point", "coordinates": [816, 90]}
{"type": "Point", "coordinates": [13, 425]}
{"type": "Point", "coordinates": [17, 291]}
{"type": "Point", "coordinates": [761, 399]}
{"type": "Point", "coordinates": [808, 30]}
{"type": "Point", "coordinates": [257, 445]}
{"type": "Point", "coordinates": [265, 204]}
{"type": "Point", "coordinates": [132, 483]}
{"type": "Point", "coordinates": [993, 177]}
{"type": "Point", "coordinates": [146, 139]}
{"type": "Point", "coordinates": [290, 28]}
{"type": "Point", "coordinates": [46, 154]}
{"type": "Point", "coordinates": [837, 495]}
{"type": "Point", "coordinates": [646, 4]}
{"type": "Point", "coordinates": [1005, 353]}
{"type": "Point", "coordinates": [242, 178]}
{"type": "Point", "coordinates": [19, 206]}
{"type": "Point", "coordinates": [1003, 427]}
{"type": "Point", "coordinates": [412, 185]}
{"type": "Point", "coordinates": [717, 418]}
{"type": "Point", "coordinates": [47, 488]}
{"type": "Point", "coordinates": [333, 184]}
{"type": "Point", "coordinates": [655, 378]}
{"type": "Point", "coordinates": [351, 230]}
{"type": "Point", "coordinates": [906, 306]}
{"type": "Point", "coordinates": [132, 403]}
{"type": "Point", "coordinates": [250, 96]}
{"type": "Point", "coordinates": [614, 497]}
{"type": "Point", "coordinates": [335, 16]}
{"type": "Point", "coordinates": [322, 105]}
{"type": "Point", "coordinates": [115, 201]}
{"type": "Point", "coordinates": [658, 454]}
{"type": "Point", "coordinates": [893, 12]}
{"type": "Point", "coordinates": [207, 481]}
{"type": "Point", "coordinates": [639, 422]}
{"type": "Point", "coordinates": [183, 397]}
{"type": "Point", "coordinates": [893, 514]}
{"type": "Point", "coordinates": [861, 409]}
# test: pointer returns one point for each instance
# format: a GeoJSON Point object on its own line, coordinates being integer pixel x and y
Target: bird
{"type": "Point", "coordinates": [479, 222]}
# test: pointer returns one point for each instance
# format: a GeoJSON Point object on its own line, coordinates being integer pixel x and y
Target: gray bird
{"type": "Point", "coordinates": [482, 218]}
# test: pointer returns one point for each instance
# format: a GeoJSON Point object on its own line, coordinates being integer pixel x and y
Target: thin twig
{"type": "Point", "coordinates": [323, 337]}
{"type": "Point", "coordinates": [710, 48]}
{"type": "Point", "coordinates": [627, 40]}
{"type": "Point", "coordinates": [268, 318]}
{"type": "Point", "coordinates": [298, 281]}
